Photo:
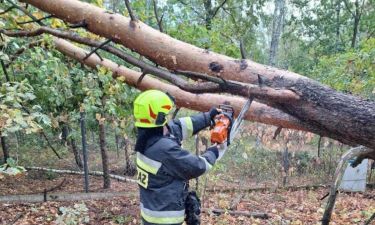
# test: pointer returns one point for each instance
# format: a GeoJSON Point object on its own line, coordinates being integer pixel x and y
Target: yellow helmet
{"type": "Point", "coordinates": [151, 108]}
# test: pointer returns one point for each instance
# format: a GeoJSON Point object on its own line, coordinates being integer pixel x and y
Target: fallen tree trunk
{"type": "Point", "coordinates": [270, 189]}
{"type": "Point", "coordinates": [237, 213]}
{"type": "Point", "coordinates": [346, 118]}
{"type": "Point", "coordinates": [62, 197]}
{"type": "Point", "coordinates": [200, 102]}
{"type": "Point", "coordinates": [93, 173]}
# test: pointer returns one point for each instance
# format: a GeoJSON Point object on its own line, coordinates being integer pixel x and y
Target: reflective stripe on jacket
{"type": "Point", "coordinates": [164, 169]}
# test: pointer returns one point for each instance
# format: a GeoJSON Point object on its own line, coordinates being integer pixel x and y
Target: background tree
{"type": "Point", "coordinates": [277, 26]}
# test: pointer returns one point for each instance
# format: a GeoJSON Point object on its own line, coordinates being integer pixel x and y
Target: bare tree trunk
{"type": "Point", "coordinates": [286, 163]}
{"type": "Point", "coordinates": [103, 151]}
{"type": "Point", "coordinates": [357, 18]}
{"type": "Point", "coordinates": [84, 150]}
{"type": "Point", "coordinates": [208, 15]}
{"type": "Point", "coordinates": [115, 6]}
{"type": "Point", "coordinates": [5, 147]}
{"type": "Point", "coordinates": [127, 158]}
{"type": "Point", "coordinates": [103, 142]}
{"type": "Point", "coordinates": [338, 9]}
{"type": "Point", "coordinates": [355, 31]}
{"type": "Point", "coordinates": [64, 133]}
{"type": "Point", "coordinates": [75, 151]}
{"type": "Point", "coordinates": [77, 155]}
{"type": "Point", "coordinates": [71, 142]}
{"type": "Point", "coordinates": [277, 26]}
{"type": "Point", "coordinates": [93, 136]}
{"type": "Point", "coordinates": [129, 166]}
{"type": "Point", "coordinates": [117, 140]}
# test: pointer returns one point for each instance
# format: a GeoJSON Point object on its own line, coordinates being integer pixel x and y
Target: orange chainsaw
{"type": "Point", "coordinates": [225, 128]}
{"type": "Point", "coordinates": [222, 125]}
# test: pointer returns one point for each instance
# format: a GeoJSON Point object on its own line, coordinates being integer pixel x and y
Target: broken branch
{"type": "Point", "coordinates": [141, 77]}
{"type": "Point", "coordinates": [100, 57]}
{"type": "Point", "coordinates": [277, 132]}
{"type": "Point", "coordinates": [35, 21]}
{"type": "Point", "coordinates": [50, 145]}
{"type": "Point", "coordinates": [96, 49]}
{"type": "Point", "coordinates": [82, 24]}
{"type": "Point", "coordinates": [237, 213]}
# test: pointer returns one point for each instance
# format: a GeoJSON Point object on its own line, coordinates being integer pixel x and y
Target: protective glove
{"type": "Point", "coordinates": [222, 148]}
{"type": "Point", "coordinates": [213, 112]}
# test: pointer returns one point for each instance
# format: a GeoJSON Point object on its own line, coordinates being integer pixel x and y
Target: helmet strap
{"type": "Point", "coordinates": [160, 119]}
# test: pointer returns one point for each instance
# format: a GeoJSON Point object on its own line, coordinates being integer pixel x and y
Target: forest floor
{"type": "Point", "coordinates": [300, 206]}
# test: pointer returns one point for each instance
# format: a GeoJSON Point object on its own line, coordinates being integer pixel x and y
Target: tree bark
{"type": "Point", "coordinates": [320, 109]}
{"type": "Point", "coordinates": [5, 147]}
{"type": "Point", "coordinates": [277, 26]}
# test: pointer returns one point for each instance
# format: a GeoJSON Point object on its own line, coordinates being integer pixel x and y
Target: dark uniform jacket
{"type": "Point", "coordinates": [164, 168]}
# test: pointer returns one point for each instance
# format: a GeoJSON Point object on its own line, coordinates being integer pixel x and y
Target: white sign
{"type": "Point", "coordinates": [354, 179]}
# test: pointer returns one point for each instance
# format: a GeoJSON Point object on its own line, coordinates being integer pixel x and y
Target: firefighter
{"type": "Point", "coordinates": [163, 167]}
